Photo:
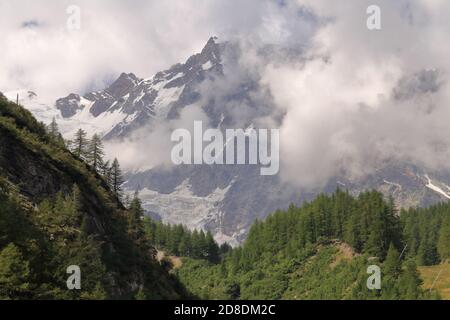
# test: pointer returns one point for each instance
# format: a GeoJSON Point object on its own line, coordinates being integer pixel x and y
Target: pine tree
{"type": "Point", "coordinates": [224, 248]}
{"type": "Point", "coordinates": [213, 248]}
{"type": "Point", "coordinates": [14, 273]}
{"type": "Point", "coordinates": [195, 243]}
{"type": "Point", "coordinates": [105, 171]}
{"type": "Point", "coordinates": [202, 245]}
{"type": "Point", "coordinates": [68, 208]}
{"type": "Point", "coordinates": [80, 144]}
{"type": "Point", "coordinates": [95, 153]}
{"type": "Point", "coordinates": [391, 271]}
{"type": "Point", "coordinates": [185, 246]}
{"type": "Point", "coordinates": [392, 265]}
{"type": "Point", "coordinates": [53, 128]}
{"type": "Point", "coordinates": [443, 245]}
{"type": "Point", "coordinates": [116, 178]}
{"type": "Point", "coordinates": [54, 133]}
{"type": "Point", "coordinates": [409, 284]}
{"type": "Point", "coordinates": [135, 219]}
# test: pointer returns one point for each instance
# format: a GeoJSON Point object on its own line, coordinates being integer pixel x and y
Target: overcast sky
{"type": "Point", "coordinates": [339, 109]}
{"type": "Point", "coordinates": [144, 37]}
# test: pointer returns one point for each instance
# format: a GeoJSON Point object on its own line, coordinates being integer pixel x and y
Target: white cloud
{"type": "Point", "coordinates": [155, 140]}
{"type": "Point", "coordinates": [340, 115]}
{"type": "Point", "coordinates": [117, 36]}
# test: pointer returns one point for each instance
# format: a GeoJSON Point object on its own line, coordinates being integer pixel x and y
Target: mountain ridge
{"type": "Point", "coordinates": [227, 199]}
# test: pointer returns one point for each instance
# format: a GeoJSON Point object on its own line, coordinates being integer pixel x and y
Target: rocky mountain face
{"type": "Point", "coordinates": [130, 102]}
{"type": "Point", "coordinates": [225, 199]}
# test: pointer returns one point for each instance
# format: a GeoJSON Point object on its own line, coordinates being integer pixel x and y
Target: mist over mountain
{"type": "Point", "coordinates": [356, 108]}
{"type": "Point", "coordinates": [224, 150]}
{"type": "Point", "coordinates": [226, 85]}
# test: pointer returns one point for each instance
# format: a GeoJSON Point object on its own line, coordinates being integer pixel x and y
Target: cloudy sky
{"type": "Point", "coordinates": [339, 105]}
{"type": "Point", "coordinates": [41, 52]}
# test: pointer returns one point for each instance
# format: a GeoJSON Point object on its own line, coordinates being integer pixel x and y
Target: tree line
{"type": "Point", "coordinates": [178, 240]}
{"type": "Point", "coordinates": [426, 233]}
{"type": "Point", "coordinates": [91, 151]}
{"type": "Point", "coordinates": [296, 253]}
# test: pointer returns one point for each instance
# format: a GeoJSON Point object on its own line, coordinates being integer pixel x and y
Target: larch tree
{"type": "Point", "coordinates": [53, 131]}
{"type": "Point", "coordinates": [95, 153]}
{"type": "Point", "coordinates": [14, 273]}
{"type": "Point", "coordinates": [444, 239]}
{"type": "Point", "coordinates": [116, 178]}
{"type": "Point", "coordinates": [136, 227]}
{"type": "Point", "coordinates": [80, 144]}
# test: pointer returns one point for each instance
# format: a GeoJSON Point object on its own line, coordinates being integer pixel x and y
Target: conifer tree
{"type": "Point", "coordinates": [135, 220]}
{"type": "Point", "coordinates": [116, 178]}
{"type": "Point", "coordinates": [392, 264]}
{"type": "Point", "coordinates": [53, 129]}
{"type": "Point", "coordinates": [54, 133]}
{"type": "Point", "coordinates": [185, 246]}
{"type": "Point", "coordinates": [224, 248]}
{"type": "Point", "coordinates": [212, 248]}
{"type": "Point", "coordinates": [14, 273]}
{"type": "Point", "coordinates": [410, 283]}
{"type": "Point", "coordinates": [105, 171]}
{"type": "Point", "coordinates": [80, 144]}
{"type": "Point", "coordinates": [95, 153]}
{"type": "Point", "coordinates": [443, 246]}
{"type": "Point", "coordinates": [391, 270]}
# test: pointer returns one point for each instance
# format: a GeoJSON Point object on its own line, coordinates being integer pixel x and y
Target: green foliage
{"type": "Point", "coordinates": [179, 241]}
{"type": "Point", "coordinates": [14, 273]}
{"type": "Point", "coordinates": [95, 153]}
{"type": "Point", "coordinates": [116, 179]}
{"type": "Point", "coordinates": [444, 239]}
{"type": "Point", "coordinates": [55, 211]}
{"type": "Point", "coordinates": [392, 265]}
{"type": "Point", "coordinates": [427, 233]}
{"type": "Point", "coordinates": [55, 135]}
{"type": "Point", "coordinates": [320, 250]}
{"type": "Point", "coordinates": [79, 144]}
{"type": "Point", "coordinates": [22, 119]}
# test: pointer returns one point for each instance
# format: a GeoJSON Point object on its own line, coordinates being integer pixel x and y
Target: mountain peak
{"type": "Point", "coordinates": [211, 51]}
{"type": "Point", "coordinates": [122, 85]}
{"type": "Point", "coordinates": [210, 44]}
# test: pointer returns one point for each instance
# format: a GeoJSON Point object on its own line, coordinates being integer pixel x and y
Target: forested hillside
{"type": "Point", "coordinates": [57, 210]}
{"type": "Point", "coordinates": [60, 208]}
{"type": "Point", "coordinates": [322, 249]}
{"type": "Point", "coordinates": [179, 241]}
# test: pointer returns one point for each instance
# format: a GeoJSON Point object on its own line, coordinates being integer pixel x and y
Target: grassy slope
{"type": "Point", "coordinates": [331, 273]}
{"type": "Point", "coordinates": [437, 277]}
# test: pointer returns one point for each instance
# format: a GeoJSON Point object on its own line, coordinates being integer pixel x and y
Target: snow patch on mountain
{"type": "Point", "coordinates": [166, 97]}
{"type": "Point", "coordinates": [183, 206]}
{"type": "Point", "coordinates": [101, 125]}
{"type": "Point", "coordinates": [45, 110]}
{"type": "Point", "coordinates": [398, 187]}
{"type": "Point", "coordinates": [435, 188]}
